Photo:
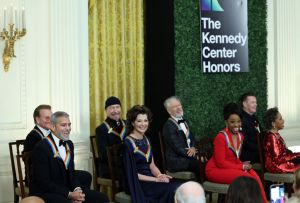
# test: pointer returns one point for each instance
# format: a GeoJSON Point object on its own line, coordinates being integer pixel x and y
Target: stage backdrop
{"type": "Point", "coordinates": [204, 95]}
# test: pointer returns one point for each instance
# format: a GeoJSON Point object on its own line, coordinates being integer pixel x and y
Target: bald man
{"type": "Point", "coordinates": [190, 192]}
{"type": "Point", "coordinates": [32, 199]}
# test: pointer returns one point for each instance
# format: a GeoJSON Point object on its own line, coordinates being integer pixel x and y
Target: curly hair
{"type": "Point", "coordinates": [132, 115]}
{"type": "Point", "coordinates": [231, 108]}
{"type": "Point", "coordinates": [269, 117]}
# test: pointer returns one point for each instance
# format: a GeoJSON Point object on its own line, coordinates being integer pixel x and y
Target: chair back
{"type": "Point", "coordinates": [96, 158]}
{"type": "Point", "coordinates": [260, 143]}
{"type": "Point", "coordinates": [162, 151]}
{"type": "Point", "coordinates": [115, 166]}
{"type": "Point", "coordinates": [15, 150]}
{"type": "Point", "coordinates": [205, 152]}
{"type": "Point", "coordinates": [24, 170]}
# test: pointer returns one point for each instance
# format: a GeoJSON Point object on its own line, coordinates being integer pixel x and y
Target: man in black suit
{"type": "Point", "coordinates": [111, 131]}
{"type": "Point", "coordinates": [53, 167]}
{"type": "Point", "coordinates": [41, 116]}
{"type": "Point", "coordinates": [181, 154]}
{"type": "Point", "coordinates": [250, 128]}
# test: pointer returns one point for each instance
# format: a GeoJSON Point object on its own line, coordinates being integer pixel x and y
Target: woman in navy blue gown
{"type": "Point", "coordinates": [145, 181]}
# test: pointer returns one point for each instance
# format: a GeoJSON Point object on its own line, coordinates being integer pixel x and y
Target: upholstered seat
{"type": "Point", "coordinates": [279, 177]}
{"type": "Point", "coordinates": [215, 187]}
{"type": "Point", "coordinates": [122, 197]}
{"type": "Point", "coordinates": [182, 175]}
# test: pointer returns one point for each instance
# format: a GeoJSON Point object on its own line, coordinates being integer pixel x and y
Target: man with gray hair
{"type": "Point", "coordinates": [53, 167]}
{"type": "Point", "coordinates": [181, 154]}
{"type": "Point", "coordinates": [190, 192]}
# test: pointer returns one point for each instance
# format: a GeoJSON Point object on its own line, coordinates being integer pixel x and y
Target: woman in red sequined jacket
{"type": "Point", "coordinates": [278, 159]}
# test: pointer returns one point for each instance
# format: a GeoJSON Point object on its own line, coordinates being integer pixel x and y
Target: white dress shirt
{"type": "Point", "coordinates": [61, 149]}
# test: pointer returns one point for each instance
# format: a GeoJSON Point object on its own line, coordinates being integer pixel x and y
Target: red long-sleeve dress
{"type": "Point", "coordinates": [277, 158]}
{"type": "Point", "coordinates": [225, 166]}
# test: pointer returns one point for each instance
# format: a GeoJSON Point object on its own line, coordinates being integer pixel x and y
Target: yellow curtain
{"type": "Point", "coordinates": [116, 45]}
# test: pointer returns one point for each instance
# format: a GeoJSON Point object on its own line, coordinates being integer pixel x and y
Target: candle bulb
{"type": "Point", "coordinates": [16, 18]}
{"type": "Point", "coordinates": [11, 14]}
{"type": "Point", "coordinates": [4, 17]}
{"type": "Point", "coordinates": [23, 18]}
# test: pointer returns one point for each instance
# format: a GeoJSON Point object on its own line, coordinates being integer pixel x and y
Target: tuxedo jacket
{"type": "Point", "coordinates": [50, 174]}
{"type": "Point", "coordinates": [33, 137]}
{"type": "Point", "coordinates": [250, 132]}
{"type": "Point", "coordinates": [107, 135]}
{"type": "Point", "coordinates": [176, 144]}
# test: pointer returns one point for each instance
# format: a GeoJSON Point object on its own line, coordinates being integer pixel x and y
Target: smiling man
{"type": "Point", "coordinates": [53, 167]}
{"type": "Point", "coordinates": [250, 128]}
{"type": "Point", "coordinates": [111, 131]}
{"type": "Point", "coordinates": [181, 154]}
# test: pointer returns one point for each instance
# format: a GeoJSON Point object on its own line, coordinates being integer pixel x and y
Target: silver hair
{"type": "Point", "coordinates": [167, 102]}
{"type": "Point", "coordinates": [58, 114]}
{"type": "Point", "coordinates": [182, 197]}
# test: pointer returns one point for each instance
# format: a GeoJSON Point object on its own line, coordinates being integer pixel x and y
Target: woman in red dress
{"type": "Point", "coordinates": [278, 159]}
{"type": "Point", "coordinates": [225, 166]}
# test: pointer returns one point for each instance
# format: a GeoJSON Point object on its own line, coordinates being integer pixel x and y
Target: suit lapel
{"type": "Point", "coordinates": [37, 130]}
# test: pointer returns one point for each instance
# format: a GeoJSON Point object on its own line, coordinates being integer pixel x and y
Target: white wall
{"type": "Point", "coordinates": [284, 65]}
{"type": "Point", "coordinates": [51, 67]}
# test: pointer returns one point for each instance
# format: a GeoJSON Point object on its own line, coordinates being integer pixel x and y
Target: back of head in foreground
{"type": "Point", "coordinates": [190, 192]}
{"type": "Point", "coordinates": [244, 190]}
{"type": "Point", "coordinates": [32, 199]}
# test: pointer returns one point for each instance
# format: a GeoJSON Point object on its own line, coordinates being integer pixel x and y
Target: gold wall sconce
{"type": "Point", "coordinates": [14, 30]}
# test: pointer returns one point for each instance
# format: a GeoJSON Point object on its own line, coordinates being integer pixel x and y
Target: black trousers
{"type": "Point", "coordinates": [91, 196]}
{"type": "Point", "coordinates": [84, 177]}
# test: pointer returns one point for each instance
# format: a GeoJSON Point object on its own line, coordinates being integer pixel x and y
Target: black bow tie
{"type": "Point", "coordinates": [61, 142]}
{"type": "Point", "coordinates": [181, 121]}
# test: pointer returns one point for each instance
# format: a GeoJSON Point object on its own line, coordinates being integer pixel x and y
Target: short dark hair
{"type": "Point", "coordinates": [132, 115]}
{"type": "Point", "coordinates": [269, 117]}
{"type": "Point", "coordinates": [245, 96]}
{"type": "Point", "coordinates": [244, 190]}
{"type": "Point", "coordinates": [36, 112]}
{"type": "Point", "coordinates": [231, 108]}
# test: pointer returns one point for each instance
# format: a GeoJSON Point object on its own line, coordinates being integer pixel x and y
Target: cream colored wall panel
{"type": "Point", "coordinates": [283, 64]}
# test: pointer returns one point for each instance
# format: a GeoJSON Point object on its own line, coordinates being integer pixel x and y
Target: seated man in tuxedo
{"type": "Point", "coordinates": [53, 167]}
{"type": "Point", "coordinates": [250, 128]}
{"type": "Point", "coordinates": [181, 154]}
{"type": "Point", "coordinates": [41, 117]}
{"type": "Point", "coordinates": [111, 131]}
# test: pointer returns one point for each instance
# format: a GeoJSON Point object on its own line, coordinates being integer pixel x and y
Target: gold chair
{"type": "Point", "coordinates": [101, 184]}
{"type": "Point", "coordinates": [287, 178]}
{"type": "Point", "coordinates": [116, 172]}
{"type": "Point", "coordinates": [205, 151]}
{"type": "Point", "coordinates": [20, 190]}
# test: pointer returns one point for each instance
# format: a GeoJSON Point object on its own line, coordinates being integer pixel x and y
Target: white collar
{"type": "Point", "coordinates": [44, 131]}
{"type": "Point", "coordinates": [176, 119]}
{"type": "Point", "coordinates": [56, 140]}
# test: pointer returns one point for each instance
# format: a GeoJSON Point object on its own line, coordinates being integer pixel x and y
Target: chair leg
{"type": "Point", "coordinates": [289, 189]}
{"type": "Point", "coordinates": [221, 198]}
{"type": "Point", "coordinates": [16, 198]}
{"type": "Point", "coordinates": [210, 197]}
